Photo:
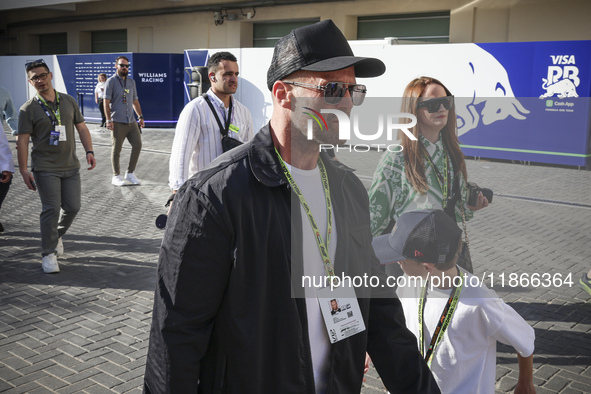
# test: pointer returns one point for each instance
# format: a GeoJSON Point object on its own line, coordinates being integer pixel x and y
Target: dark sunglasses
{"type": "Point", "coordinates": [124, 65]}
{"type": "Point", "coordinates": [40, 77]}
{"type": "Point", "coordinates": [35, 63]}
{"type": "Point", "coordinates": [434, 104]}
{"type": "Point", "coordinates": [335, 91]}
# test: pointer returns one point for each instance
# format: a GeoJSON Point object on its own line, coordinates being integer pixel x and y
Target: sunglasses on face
{"type": "Point", "coordinates": [35, 63]}
{"type": "Point", "coordinates": [124, 65]}
{"type": "Point", "coordinates": [335, 91]}
{"type": "Point", "coordinates": [434, 104]}
{"type": "Point", "coordinates": [40, 77]}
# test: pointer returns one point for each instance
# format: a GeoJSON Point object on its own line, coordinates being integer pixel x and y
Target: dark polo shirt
{"type": "Point", "coordinates": [34, 120]}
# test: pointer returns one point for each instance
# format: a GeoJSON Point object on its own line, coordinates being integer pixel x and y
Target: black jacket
{"type": "Point", "coordinates": [224, 317]}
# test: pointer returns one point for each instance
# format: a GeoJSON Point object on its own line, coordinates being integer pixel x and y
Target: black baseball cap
{"type": "Point", "coordinates": [318, 47]}
{"type": "Point", "coordinates": [427, 236]}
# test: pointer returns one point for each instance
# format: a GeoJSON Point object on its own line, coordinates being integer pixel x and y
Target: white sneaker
{"type": "Point", "coordinates": [49, 264]}
{"type": "Point", "coordinates": [132, 178]}
{"type": "Point", "coordinates": [118, 180]}
{"type": "Point", "coordinates": [59, 249]}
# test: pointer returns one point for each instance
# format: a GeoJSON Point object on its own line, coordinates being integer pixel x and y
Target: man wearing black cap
{"type": "Point", "coordinates": [455, 317]}
{"type": "Point", "coordinates": [244, 233]}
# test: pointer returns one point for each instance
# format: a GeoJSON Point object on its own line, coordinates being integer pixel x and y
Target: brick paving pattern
{"type": "Point", "coordinates": [85, 330]}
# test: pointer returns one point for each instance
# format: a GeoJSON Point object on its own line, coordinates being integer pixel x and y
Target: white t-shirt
{"type": "Point", "coordinates": [100, 90]}
{"type": "Point", "coordinates": [197, 137]}
{"type": "Point", "coordinates": [465, 360]}
{"type": "Point", "coordinates": [310, 185]}
{"type": "Point", "coordinates": [6, 162]}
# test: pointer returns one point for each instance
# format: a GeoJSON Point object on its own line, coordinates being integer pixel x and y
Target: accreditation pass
{"type": "Point", "coordinates": [62, 133]}
{"type": "Point", "coordinates": [341, 312]}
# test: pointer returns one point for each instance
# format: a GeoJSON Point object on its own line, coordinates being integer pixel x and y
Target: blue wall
{"type": "Point", "coordinates": [158, 77]}
{"type": "Point", "coordinates": [552, 81]}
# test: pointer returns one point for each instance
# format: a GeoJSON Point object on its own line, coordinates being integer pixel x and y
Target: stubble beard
{"type": "Point", "coordinates": [43, 90]}
{"type": "Point", "coordinates": [231, 89]}
{"type": "Point", "coordinates": [319, 137]}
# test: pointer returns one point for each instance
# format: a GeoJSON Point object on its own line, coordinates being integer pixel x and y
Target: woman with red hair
{"type": "Point", "coordinates": [422, 176]}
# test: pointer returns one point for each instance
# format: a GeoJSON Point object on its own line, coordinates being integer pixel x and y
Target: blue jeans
{"type": "Point", "coordinates": [60, 202]}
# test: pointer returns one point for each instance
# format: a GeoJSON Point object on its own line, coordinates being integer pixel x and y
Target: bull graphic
{"type": "Point", "coordinates": [563, 88]}
{"type": "Point", "coordinates": [484, 93]}
{"type": "Point", "coordinates": [476, 78]}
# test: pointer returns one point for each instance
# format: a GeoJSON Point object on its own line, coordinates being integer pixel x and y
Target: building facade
{"type": "Point", "coordinates": [31, 27]}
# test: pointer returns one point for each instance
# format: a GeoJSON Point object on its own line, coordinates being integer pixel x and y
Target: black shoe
{"type": "Point", "coordinates": [1, 228]}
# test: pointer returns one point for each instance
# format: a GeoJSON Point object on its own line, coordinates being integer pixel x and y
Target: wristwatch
{"type": "Point", "coordinates": [141, 117]}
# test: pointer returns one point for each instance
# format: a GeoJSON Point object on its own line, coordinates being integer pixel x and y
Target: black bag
{"type": "Point", "coordinates": [464, 258]}
{"type": "Point", "coordinates": [228, 143]}
{"type": "Point", "coordinates": [162, 219]}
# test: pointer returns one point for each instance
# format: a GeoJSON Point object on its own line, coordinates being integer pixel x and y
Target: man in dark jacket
{"type": "Point", "coordinates": [230, 311]}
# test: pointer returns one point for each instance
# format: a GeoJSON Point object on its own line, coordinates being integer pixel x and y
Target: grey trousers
{"type": "Point", "coordinates": [60, 202]}
{"type": "Point", "coordinates": [120, 132]}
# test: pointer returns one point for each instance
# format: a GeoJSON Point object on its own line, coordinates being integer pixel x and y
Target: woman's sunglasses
{"type": "Point", "coordinates": [434, 104]}
{"type": "Point", "coordinates": [335, 91]}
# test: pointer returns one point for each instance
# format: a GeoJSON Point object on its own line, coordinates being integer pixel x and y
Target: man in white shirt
{"type": "Point", "coordinates": [6, 168]}
{"type": "Point", "coordinates": [7, 108]}
{"type": "Point", "coordinates": [198, 138]}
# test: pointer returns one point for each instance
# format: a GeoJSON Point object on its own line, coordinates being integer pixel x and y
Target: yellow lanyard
{"type": "Point", "coordinates": [46, 107]}
{"type": "Point", "coordinates": [322, 247]}
{"type": "Point", "coordinates": [444, 180]}
{"type": "Point", "coordinates": [444, 320]}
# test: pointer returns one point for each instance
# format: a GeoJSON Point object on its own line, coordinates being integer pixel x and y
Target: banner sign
{"type": "Point", "coordinates": [158, 78]}
{"type": "Point", "coordinates": [525, 101]}
{"type": "Point", "coordinates": [547, 119]}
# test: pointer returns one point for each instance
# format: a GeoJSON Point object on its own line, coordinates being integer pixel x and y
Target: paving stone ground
{"type": "Point", "coordinates": [85, 330]}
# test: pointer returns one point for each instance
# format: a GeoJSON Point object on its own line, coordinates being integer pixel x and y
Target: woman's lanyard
{"type": "Point", "coordinates": [444, 320]}
{"type": "Point", "coordinates": [445, 179]}
{"type": "Point", "coordinates": [47, 110]}
{"type": "Point", "coordinates": [322, 247]}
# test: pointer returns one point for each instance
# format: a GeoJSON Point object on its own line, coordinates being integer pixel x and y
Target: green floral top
{"type": "Point", "coordinates": [391, 193]}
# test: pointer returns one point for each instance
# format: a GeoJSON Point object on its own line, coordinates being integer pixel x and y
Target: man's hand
{"type": "Point", "coordinates": [6, 175]}
{"type": "Point", "coordinates": [29, 180]}
{"type": "Point", "coordinates": [90, 160]}
{"type": "Point", "coordinates": [110, 124]}
{"type": "Point", "coordinates": [169, 202]}
{"type": "Point", "coordinates": [367, 361]}
{"type": "Point", "coordinates": [142, 123]}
